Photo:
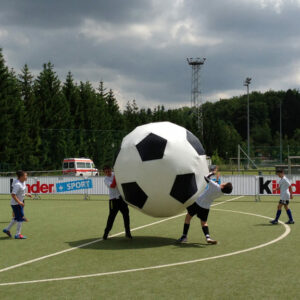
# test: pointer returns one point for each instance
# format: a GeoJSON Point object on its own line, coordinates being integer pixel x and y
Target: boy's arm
{"type": "Point", "coordinates": [107, 182]}
{"type": "Point", "coordinates": [14, 196]}
{"type": "Point", "coordinates": [211, 174]}
{"type": "Point", "coordinates": [291, 192]}
{"type": "Point", "coordinates": [113, 184]}
{"type": "Point", "coordinates": [110, 183]}
{"type": "Point", "coordinates": [207, 178]}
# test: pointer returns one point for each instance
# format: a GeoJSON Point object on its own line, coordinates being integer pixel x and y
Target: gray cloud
{"type": "Point", "coordinates": [140, 47]}
{"type": "Point", "coordinates": [65, 13]}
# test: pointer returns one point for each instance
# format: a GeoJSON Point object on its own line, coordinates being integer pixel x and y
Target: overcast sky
{"type": "Point", "coordinates": [139, 47]}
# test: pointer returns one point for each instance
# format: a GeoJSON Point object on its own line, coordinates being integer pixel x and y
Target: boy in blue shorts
{"type": "Point", "coordinates": [17, 204]}
{"type": "Point", "coordinates": [286, 194]}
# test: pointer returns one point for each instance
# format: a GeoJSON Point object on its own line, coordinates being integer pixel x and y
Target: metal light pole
{"type": "Point", "coordinates": [196, 102]}
{"type": "Point", "coordinates": [247, 83]}
{"type": "Point", "coordinates": [280, 131]}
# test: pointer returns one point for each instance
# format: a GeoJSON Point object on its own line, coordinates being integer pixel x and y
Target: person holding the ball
{"type": "Point", "coordinates": [116, 204]}
{"type": "Point", "coordinates": [202, 205]}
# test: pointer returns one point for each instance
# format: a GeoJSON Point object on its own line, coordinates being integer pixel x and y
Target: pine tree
{"type": "Point", "coordinates": [131, 116]}
{"type": "Point", "coordinates": [88, 119]}
{"type": "Point", "coordinates": [113, 110]}
{"type": "Point", "coordinates": [12, 136]}
{"type": "Point", "coordinates": [115, 125]}
{"type": "Point", "coordinates": [5, 120]}
{"type": "Point", "coordinates": [103, 123]}
{"type": "Point", "coordinates": [102, 116]}
{"type": "Point", "coordinates": [71, 93]}
{"type": "Point", "coordinates": [31, 128]}
{"type": "Point", "coordinates": [54, 116]}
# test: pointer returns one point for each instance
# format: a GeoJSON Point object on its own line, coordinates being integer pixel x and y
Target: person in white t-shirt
{"type": "Point", "coordinates": [17, 203]}
{"type": "Point", "coordinates": [286, 194]}
{"type": "Point", "coordinates": [202, 205]}
{"type": "Point", "coordinates": [116, 204]}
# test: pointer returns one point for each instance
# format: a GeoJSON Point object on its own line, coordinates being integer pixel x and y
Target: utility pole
{"type": "Point", "coordinates": [280, 130]}
{"type": "Point", "coordinates": [196, 103]}
{"type": "Point", "coordinates": [247, 83]}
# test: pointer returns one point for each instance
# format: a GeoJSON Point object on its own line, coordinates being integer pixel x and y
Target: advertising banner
{"type": "Point", "coordinates": [242, 185]}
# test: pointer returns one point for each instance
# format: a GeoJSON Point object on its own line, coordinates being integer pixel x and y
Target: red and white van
{"type": "Point", "coordinates": [79, 167]}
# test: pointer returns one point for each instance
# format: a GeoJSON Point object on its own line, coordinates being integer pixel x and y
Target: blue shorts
{"type": "Point", "coordinates": [18, 212]}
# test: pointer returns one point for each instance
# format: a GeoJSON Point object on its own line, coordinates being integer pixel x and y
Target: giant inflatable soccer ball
{"type": "Point", "coordinates": [160, 169]}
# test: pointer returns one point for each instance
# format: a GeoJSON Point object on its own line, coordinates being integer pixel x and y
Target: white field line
{"type": "Point", "coordinates": [99, 240]}
{"type": "Point", "coordinates": [287, 231]}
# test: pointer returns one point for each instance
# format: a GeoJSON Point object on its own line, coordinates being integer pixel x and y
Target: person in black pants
{"type": "Point", "coordinates": [116, 203]}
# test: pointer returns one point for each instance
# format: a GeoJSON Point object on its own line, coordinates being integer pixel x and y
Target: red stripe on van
{"type": "Point", "coordinates": [78, 160]}
{"type": "Point", "coordinates": [80, 170]}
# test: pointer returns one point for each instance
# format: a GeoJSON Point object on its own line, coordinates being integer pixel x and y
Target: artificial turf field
{"type": "Point", "coordinates": [232, 269]}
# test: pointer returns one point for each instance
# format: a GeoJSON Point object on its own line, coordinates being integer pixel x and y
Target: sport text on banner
{"type": "Point", "coordinates": [74, 185]}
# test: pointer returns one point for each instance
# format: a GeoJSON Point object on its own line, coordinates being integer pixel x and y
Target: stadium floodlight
{"type": "Point", "coordinates": [196, 103]}
{"type": "Point", "coordinates": [247, 83]}
{"type": "Point", "coordinates": [280, 130]}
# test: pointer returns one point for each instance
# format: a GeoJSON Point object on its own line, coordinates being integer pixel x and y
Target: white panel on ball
{"type": "Point", "coordinates": [160, 169]}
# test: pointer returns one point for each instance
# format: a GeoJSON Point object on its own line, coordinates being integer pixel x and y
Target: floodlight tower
{"type": "Point", "coordinates": [247, 83]}
{"type": "Point", "coordinates": [196, 64]}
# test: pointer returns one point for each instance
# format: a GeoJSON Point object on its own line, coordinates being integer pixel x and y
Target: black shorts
{"type": "Point", "coordinates": [117, 204]}
{"type": "Point", "coordinates": [284, 202]}
{"type": "Point", "coordinates": [202, 213]}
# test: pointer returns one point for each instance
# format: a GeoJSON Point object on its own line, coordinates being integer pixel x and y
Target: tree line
{"type": "Point", "coordinates": [44, 120]}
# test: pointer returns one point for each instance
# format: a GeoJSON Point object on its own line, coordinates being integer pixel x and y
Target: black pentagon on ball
{"type": "Point", "coordinates": [134, 194]}
{"type": "Point", "coordinates": [194, 141]}
{"type": "Point", "coordinates": [184, 187]}
{"type": "Point", "coordinates": [151, 147]}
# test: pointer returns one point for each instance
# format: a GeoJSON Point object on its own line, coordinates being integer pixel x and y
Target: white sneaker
{"type": "Point", "coordinates": [210, 241]}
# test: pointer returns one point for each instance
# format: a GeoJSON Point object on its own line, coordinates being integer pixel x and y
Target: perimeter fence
{"type": "Point", "coordinates": [68, 187]}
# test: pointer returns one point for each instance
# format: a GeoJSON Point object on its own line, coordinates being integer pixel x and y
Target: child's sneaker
{"type": "Point", "coordinates": [20, 237]}
{"type": "Point", "coordinates": [274, 222]}
{"type": "Point", "coordinates": [210, 241]}
{"type": "Point", "coordinates": [7, 232]}
{"type": "Point", "coordinates": [183, 239]}
{"type": "Point", "coordinates": [128, 235]}
{"type": "Point", "coordinates": [290, 222]}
